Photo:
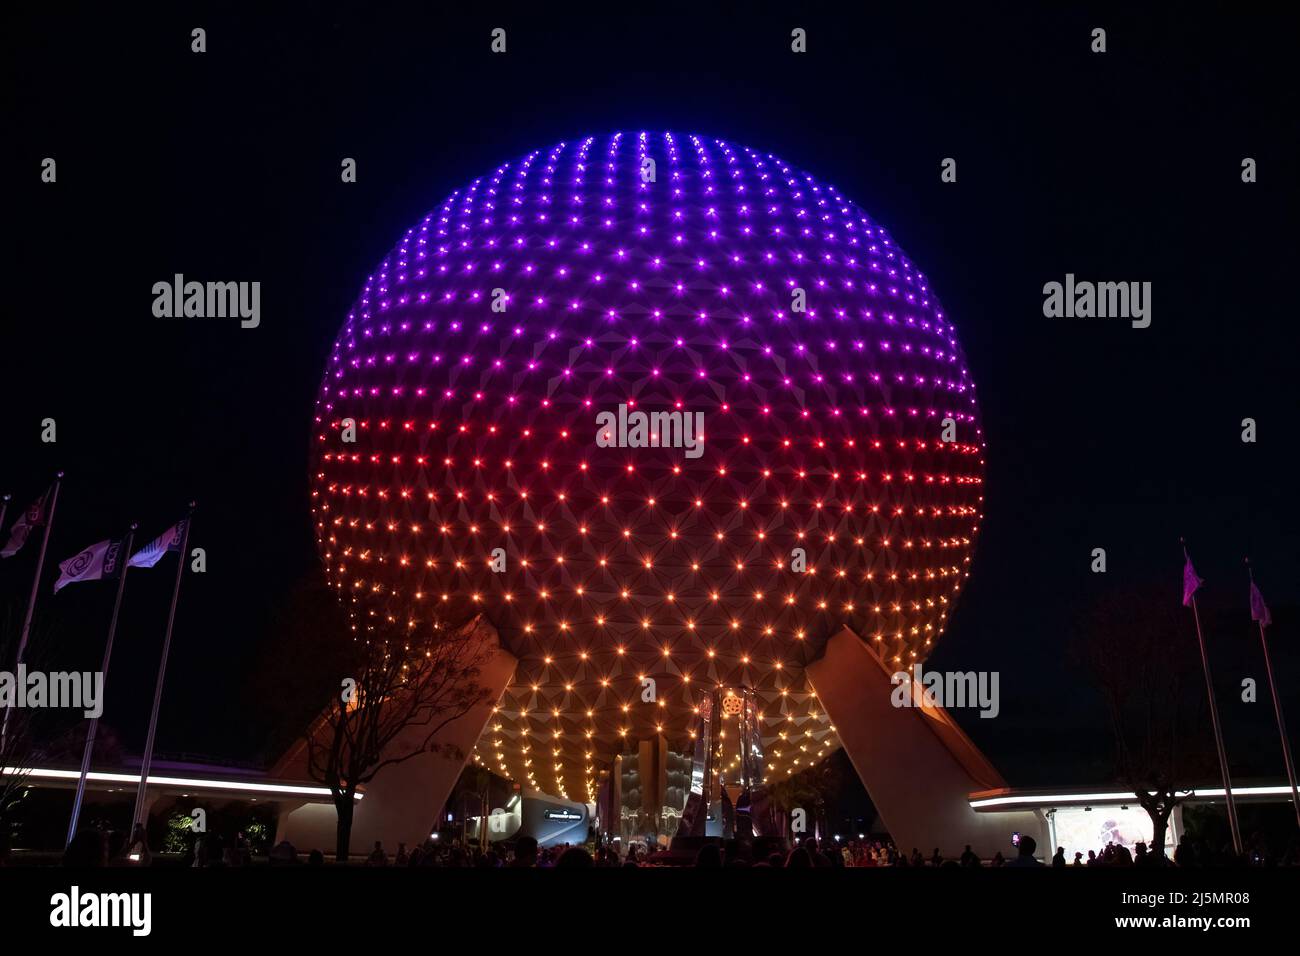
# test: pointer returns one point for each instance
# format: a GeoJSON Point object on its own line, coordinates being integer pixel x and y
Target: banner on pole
{"type": "Point", "coordinates": [96, 563]}
{"type": "Point", "coordinates": [152, 553]}
{"type": "Point", "coordinates": [33, 517]}
{"type": "Point", "coordinates": [1191, 583]}
{"type": "Point", "coordinates": [1258, 609]}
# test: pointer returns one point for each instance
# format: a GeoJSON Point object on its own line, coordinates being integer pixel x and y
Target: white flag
{"type": "Point", "coordinates": [152, 553]}
{"type": "Point", "coordinates": [96, 562]}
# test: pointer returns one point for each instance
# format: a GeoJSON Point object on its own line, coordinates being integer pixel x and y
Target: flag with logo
{"type": "Point", "coordinates": [99, 561]}
{"type": "Point", "coordinates": [33, 517]}
{"type": "Point", "coordinates": [1191, 583]}
{"type": "Point", "coordinates": [152, 553]}
{"type": "Point", "coordinates": [1258, 609]}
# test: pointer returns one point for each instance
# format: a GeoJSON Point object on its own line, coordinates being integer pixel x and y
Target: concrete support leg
{"type": "Point", "coordinates": [918, 766]}
{"type": "Point", "coordinates": [402, 803]}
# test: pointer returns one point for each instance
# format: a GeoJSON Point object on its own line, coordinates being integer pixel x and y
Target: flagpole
{"type": "Point", "coordinates": [1281, 726]}
{"type": "Point", "coordinates": [40, 565]}
{"type": "Point", "coordinates": [123, 557]}
{"type": "Point", "coordinates": [1277, 709]}
{"type": "Point", "coordinates": [31, 599]}
{"type": "Point", "coordinates": [1218, 733]}
{"type": "Point", "coordinates": [147, 760]}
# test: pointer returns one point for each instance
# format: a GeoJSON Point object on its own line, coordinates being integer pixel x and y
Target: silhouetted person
{"type": "Point", "coordinates": [1026, 855]}
{"type": "Point", "coordinates": [968, 857]}
{"type": "Point", "coordinates": [575, 858]}
{"type": "Point", "coordinates": [709, 857]}
{"type": "Point", "coordinates": [525, 852]}
{"type": "Point", "coordinates": [799, 859]}
{"type": "Point", "coordinates": [219, 853]}
{"type": "Point", "coordinates": [282, 854]}
{"type": "Point", "coordinates": [1058, 859]}
{"type": "Point", "coordinates": [1146, 857]}
{"type": "Point", "coordinates": [819, 858]}
{"type": "Point", "coordinates": [377, 856]}
{"type": "Point", "coordinates": [315, 858]}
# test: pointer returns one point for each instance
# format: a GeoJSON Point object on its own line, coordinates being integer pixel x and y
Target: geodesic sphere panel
{"type": "Point", "coordinates": [812, 456]}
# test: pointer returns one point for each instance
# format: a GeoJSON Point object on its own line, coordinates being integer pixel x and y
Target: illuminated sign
{"type": "Point", "coordinates": [562, 815]}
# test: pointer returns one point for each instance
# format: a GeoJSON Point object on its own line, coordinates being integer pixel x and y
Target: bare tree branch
{"type": "Point", "coordinates": [404, 679]}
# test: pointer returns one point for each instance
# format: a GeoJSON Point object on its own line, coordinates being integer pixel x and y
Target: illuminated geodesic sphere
{"type": "Point", "coordinates": [494, 473]}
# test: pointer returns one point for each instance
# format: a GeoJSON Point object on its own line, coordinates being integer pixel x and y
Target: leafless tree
{"type": "Point", "coordinates": [18, 743]}
{"type": "Point", "coordinates": [15, 766]}
{"type": "Point", "coordinates": [401, 687]}
{"type": "Point", "coordinates": [1137, 653]}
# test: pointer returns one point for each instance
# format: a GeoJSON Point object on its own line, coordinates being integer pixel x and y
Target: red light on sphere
{"type": "Point", "coordinates": [812, 372]}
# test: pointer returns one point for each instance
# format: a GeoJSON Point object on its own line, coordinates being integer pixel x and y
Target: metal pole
{"type": "Point", "coordinates": [147, 760]}
{"type": "Point", "coordinates": [1281, 725]}
{"type": "Point", "coordinates": [123, 557]}
{"type": "Point", "coordinates": [31, 599]}
{"type": "Point", "coordinates": [744, 739]}
{"type": "Point", "coordinates": [1218, 735]}
{"type": "Point", "coordinates": [40, 565]}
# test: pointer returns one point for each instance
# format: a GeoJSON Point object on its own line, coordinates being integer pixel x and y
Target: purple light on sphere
{"type": "Point", "coordinates": [475, 364]}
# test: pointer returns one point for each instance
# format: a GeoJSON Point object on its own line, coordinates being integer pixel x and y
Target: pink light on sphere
{"type": "Point", "coordinates": [476, 430]}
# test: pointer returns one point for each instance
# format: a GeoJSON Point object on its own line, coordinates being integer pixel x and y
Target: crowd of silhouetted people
{"type": "Point", "coordinates": [806, 853]}
{"type": "Point", "coordinates": [91, 848]}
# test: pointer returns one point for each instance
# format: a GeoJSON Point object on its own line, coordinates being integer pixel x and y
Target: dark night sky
{"type": "Point", "coordinates": [1123, 166]}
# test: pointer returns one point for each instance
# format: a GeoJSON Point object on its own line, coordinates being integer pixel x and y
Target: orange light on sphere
{"type": "Point", "coordinates": [821, 462]}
